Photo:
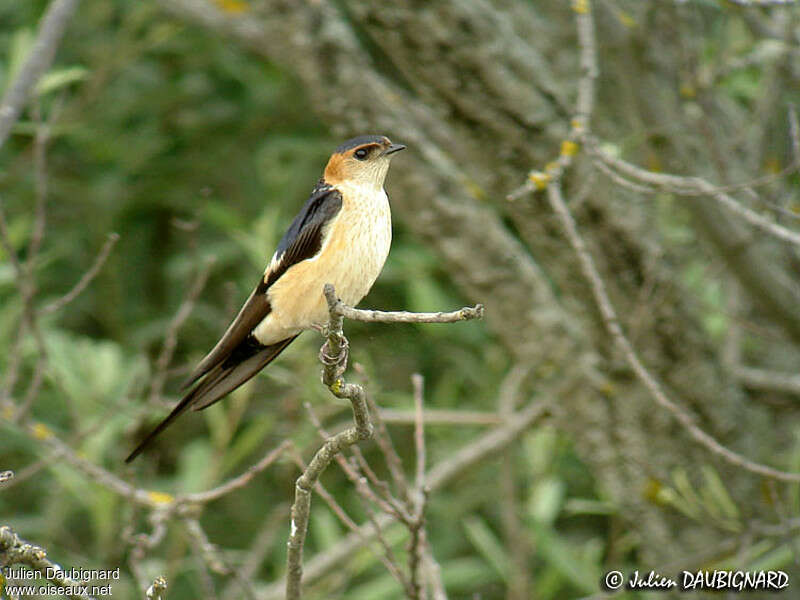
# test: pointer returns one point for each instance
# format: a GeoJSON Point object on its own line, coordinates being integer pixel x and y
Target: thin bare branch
{"type": "Point", "coordinates": [15, 551]}
{"type": "Point", "coordinates": [695, 186]}
{"type": "Point", "coordinates": [437, 477]}
{"type": "Point", "coordinates": [768, 380]}
{"type": "Point", "coordinates": [237, 482]}
{"type": "Point", "coordinates": [158, 590]}
{"type": "Point", "coordinates": [419, 430]}
{"type": "Point", "coordinates": [171, 335]}
{"type": "Point", "coordinates": [614, 328]}
{"type": "Point", "coordinates": [387, 557]}
{"type": "Point", "coordinates": [85, 279]}
{"type": "Point", "coordinates": [333, 356]}
{"type": "Point", "coordinates": [437, 416]}
{"type": "Point", "coordinates": [51, 29]}
{"type": "Point", "coordinates": [377, 316]}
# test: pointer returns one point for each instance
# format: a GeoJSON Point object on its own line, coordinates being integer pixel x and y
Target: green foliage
{"type": "Point", "coordinates": [195, 151]}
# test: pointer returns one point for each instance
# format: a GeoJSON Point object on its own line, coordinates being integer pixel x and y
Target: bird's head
{"type": "Point", "coordinates": [363, 160]}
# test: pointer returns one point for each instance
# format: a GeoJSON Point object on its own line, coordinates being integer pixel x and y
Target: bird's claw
{"type": "Point", "coordinates": [340, 360]}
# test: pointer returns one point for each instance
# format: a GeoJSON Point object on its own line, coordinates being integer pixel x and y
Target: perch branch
{"type": "Point", "coordinates": [333, 355]}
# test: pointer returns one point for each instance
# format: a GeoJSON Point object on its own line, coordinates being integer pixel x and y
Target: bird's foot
{"type": "Point", "coordinates": [339, 360]}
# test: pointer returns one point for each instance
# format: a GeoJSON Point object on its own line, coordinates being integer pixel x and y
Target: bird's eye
{"type": "Point", "coordinates": [361, 154]}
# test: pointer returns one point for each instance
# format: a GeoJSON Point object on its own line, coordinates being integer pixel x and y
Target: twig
{"type": "Point", "coordinates": [434, 573]}
{"type": "Point", "coordinates": [51, 30]}
{"type": "Point", "coordinates": [377, 316]}
{"type": "Point", "coordinates": [386, 502]}
{"type": "Point", "coordinates": [695, 186]}
{"type": "Point", "coordinates": [588, 268]}
{"type": "Point", "coordinates": [15, 551]}
{"type": "Point", "coordinates": [768, 380]}
{"type": "Point", "coordinates": [171, 335]}
{"type": "Point", "coordinates": [158, 590]}
{"type": "Point", "coordinates": [763, 3]}
{"type": "Point", "coordinates": [207, 550]}
{"type": "Point", "coordinates": [437, 477]}
{"type": "Point", "coordinates": [419, 430]}
{"type": "Point", "coordinates": [85, 279]}
{"type": "Point", "coordinates": [614, 328]}
{"type": "Point", "coordinates": [333, 356]}
{"type": "Point", "coordinates": [259, 548]}
{"type": "Point", "coordinates": [237, 482]}
{"type": "Point", "coordinates": [387, 558]}
{"type": "Point", "coordinates": [436, 416]}
{"type": "Point", "coordinates": [417, 528]}
{"type": "Point", "coordinates": [384, 442]}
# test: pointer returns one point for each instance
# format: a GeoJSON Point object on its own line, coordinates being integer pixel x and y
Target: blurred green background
{"type": "Point", "coordinates": [198, 154]}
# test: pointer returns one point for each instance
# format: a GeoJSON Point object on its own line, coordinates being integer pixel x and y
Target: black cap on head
{"type": "Point", "coordinates": [360, 141]}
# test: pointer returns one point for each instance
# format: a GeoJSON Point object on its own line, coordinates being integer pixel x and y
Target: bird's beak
{"type": "Point", "coordinates": [393, 148]}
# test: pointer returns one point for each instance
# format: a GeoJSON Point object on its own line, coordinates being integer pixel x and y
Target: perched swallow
{"type": "Point", "coordinates": [341, 236]}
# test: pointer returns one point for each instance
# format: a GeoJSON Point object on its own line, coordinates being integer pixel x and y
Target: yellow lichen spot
{"type": "Point", "coordinates": [539, 179]}
{"type": "Point", "coordinates": [8, 412]}
{"type": "Point", "coordinates": [607, 389]}
{"type": "Point", "coordinates": [576, 124]}
{"type": "Point", "coordinates": [552, 167]}
{"type": "Point", "coordinates": [41, 431]}
{"type": "Point", "coordinates": [475, 190]}
{"type": "Point", "coordinates": [772, 165]}
{"type": "Point", "coordinates": [687, 90]}
{"type": "Point", "coordinates": [653, 163]}
{"type": "Point", "coordinates": [627, 20]}
{"type": "Point", "coordinates": [580, 6]}
{"type": "Point", "coordinates": [336, 386]}
{"type": "Point", "coordinates": [569, 148]}
{"type": "Point", "coordinates": [233, 7]}
{"type": "Point", "coordinates": [160, 497]}
{"type": "Point", "coordinates": [652, 491]}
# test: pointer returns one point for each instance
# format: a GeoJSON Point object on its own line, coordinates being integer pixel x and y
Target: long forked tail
{"type": "Point", "coordinates": [220, 381]}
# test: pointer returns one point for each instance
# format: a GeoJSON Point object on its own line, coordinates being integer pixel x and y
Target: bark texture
{"type": "Point", "coordinates": [481, 92]}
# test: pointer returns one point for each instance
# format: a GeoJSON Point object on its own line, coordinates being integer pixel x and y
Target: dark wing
{"type": "Point", "coordinates": [302, 240]}
{"type": "Point", "coordinates": [238, 356]}
{"type": "Point", "coordinates": [223, 379]}
{"type": "Point", "coordinates": [304, 237]}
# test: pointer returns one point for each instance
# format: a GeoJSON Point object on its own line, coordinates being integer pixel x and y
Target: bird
{"type": "Point", "coordinates": [341, 236]}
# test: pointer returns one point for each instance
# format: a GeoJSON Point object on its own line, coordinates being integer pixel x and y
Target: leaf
{"type": "Point", "coordinates": [325, 528]}
{"type": "Point", "coordinates": [714, 492]}
{"type": "Point", "coordinates": [486, 542]}
{"type": "Point", "coordinates": [546, 500]}
{"type": "Point", "coordinates": [558, 552]}
{"type": "Point", "coordinates": [589, 506]}
{"type": "Point", "coordinates": [21, 44]}
{"type": "Point", "coordinates": [60, 78]}
{"type": "Point", "coordinates": [778, 558]}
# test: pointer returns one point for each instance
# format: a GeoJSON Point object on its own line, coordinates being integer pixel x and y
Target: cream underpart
{"type": "Point", "coordinates": [354, 250]}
